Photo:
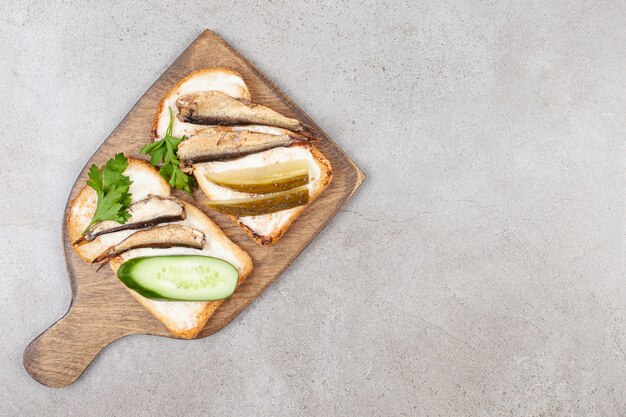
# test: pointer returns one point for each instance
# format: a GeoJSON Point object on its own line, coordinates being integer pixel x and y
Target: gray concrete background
{"type": "Point", "coordinates": [478, 271]}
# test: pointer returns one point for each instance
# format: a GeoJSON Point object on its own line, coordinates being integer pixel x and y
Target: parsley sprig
{"type": "Point", "coordinates": [163, 153]}
{"type": "Point", "coordinates": [112, 187]}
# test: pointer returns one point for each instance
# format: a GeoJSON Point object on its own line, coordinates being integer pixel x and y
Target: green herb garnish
{"type": "Point", "coordinates": [163, 153]}
{"type": "Point", "coordinates": [112, 189]}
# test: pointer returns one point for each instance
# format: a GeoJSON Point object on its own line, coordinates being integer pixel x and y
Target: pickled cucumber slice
{"type": "Point", "coordinates": [180, 278]}
{"type": "Point", "coordinates": [266, 179]}
{"type": "Point", "coordinates": [263, 204]}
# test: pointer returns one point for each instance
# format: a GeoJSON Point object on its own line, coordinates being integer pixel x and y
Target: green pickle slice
{"type": "Point", "coordinates": [266, 179]}
{"type": "Point", "coordinates": [263, 204]}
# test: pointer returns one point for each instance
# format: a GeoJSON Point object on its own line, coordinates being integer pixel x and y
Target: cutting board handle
{"type": "Point", "coordinates": [62, 353]}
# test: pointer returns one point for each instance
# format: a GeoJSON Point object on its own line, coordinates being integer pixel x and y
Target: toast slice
{"type": "Point", "coordinates": [183, 319]}
{"type": "Point", "coordinates": [265, 229]}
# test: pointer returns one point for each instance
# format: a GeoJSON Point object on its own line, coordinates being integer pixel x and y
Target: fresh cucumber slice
{"type": "Point", "coordinates": [180, 278]}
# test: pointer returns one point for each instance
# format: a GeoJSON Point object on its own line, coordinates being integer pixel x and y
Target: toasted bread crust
{"type": "Point", "coordinates": [244, 93]}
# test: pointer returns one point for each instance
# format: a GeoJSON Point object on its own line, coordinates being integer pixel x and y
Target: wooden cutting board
{"type": "Point", "coordinates": [102, 311]}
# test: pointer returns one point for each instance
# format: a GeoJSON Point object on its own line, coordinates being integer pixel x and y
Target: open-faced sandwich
{"type": "Point", "coordinates": [253, 163]}
{"type": "Point", "coordinates": [172, 258]}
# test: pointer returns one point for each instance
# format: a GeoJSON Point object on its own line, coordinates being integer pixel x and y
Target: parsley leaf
{"type": "Point", "coordinates": [112, 187]}
{"type": "Point", "coordinates": [163, 153]}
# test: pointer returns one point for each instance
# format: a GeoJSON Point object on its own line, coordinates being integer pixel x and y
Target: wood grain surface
{"type": "Point", "coordinates": [102, 310]}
